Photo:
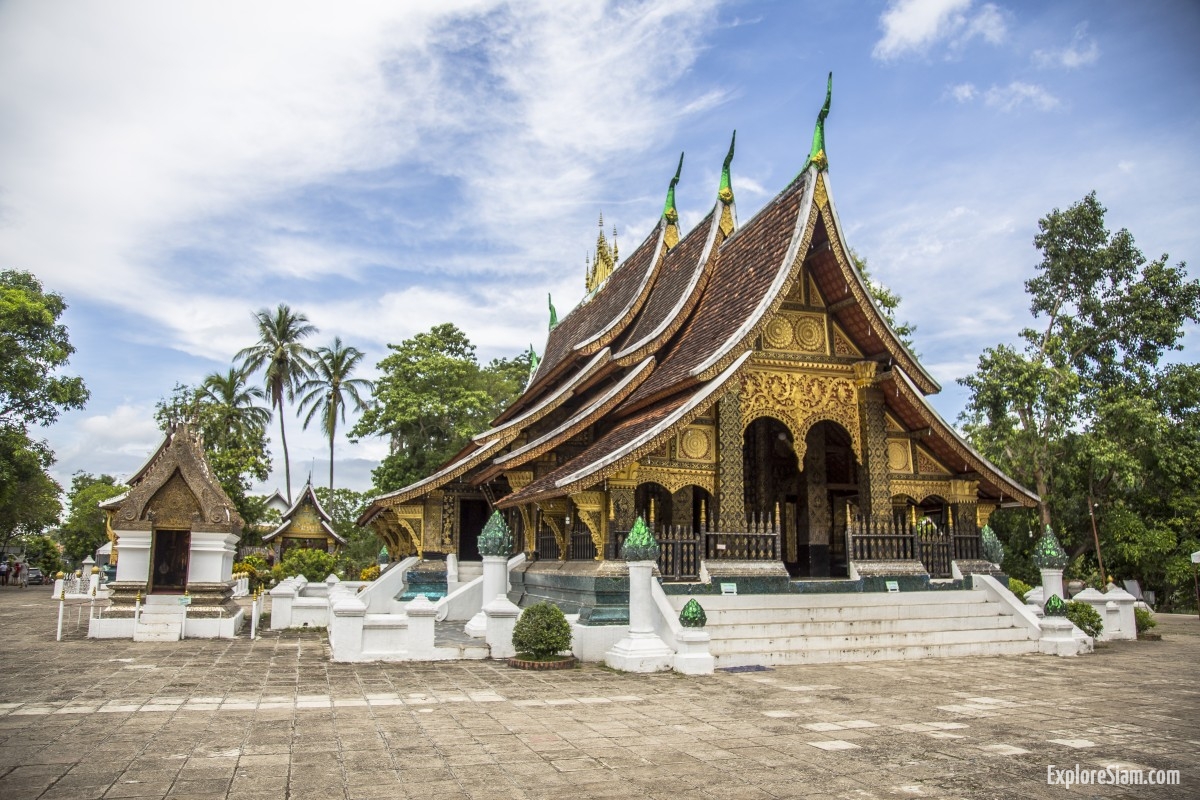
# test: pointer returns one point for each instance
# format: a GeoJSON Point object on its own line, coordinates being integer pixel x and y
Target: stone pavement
{"type": "Point", "coordinates": [274, 718]}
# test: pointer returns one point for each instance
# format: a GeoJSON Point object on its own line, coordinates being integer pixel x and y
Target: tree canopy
{"type": "Point", "coordinates": [85, 528]}
{"type": "Point", "coordinates": [1085, 411]}
{"type": "Point", "coordinates": [431, 397]}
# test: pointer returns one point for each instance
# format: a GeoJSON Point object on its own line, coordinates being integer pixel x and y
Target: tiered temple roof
{"type": "Point", "coordinates": [675, 326]}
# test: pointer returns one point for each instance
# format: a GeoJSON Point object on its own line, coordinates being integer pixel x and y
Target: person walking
{"type": "Point", "coordinates": [4, 573]}
{"type": "Point", "coordinates": [16, 574]}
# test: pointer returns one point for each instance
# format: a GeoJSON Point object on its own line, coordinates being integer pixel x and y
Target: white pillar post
{"type": "Point", "coordinates": [1052, 583]}
{"type": "Point", "coordinates": [641, 650]}
{"type": "Point", "coordinates": [420, 614]}
{"type": "Point", "coordinates": [495, 578]}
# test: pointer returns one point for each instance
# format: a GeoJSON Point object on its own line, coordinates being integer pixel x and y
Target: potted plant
{"type": "Point", "coordinates": [541, 633]}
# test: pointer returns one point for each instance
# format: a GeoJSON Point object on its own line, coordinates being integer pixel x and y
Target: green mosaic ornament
{"type": "Point", "coordinates": [725, 193]}
{"type": "Point", "coordinates": [640, 544]}
{"type": "Point", "coordinates": [1048, 553]}
{"type": "Point", "coordinates": [496, 539]}
{"type": "Point", "coordinates": [553, 313]}
{"type": "Point", "coordinates": [816, 154]}
{"type": "Point", "coordinates": [993, 550]}
{"type": "Point", "coordinates": [692, 615]}
{"type": "Point", "coordinates": [1055, 607]}
{"type": "Point", "coordinates": [669, 212]}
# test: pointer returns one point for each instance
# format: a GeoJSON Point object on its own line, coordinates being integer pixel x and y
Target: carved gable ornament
{"type": "Point", "coordinates": [178, 491]}
{"type": "Point", "coordinates": [801, 400]}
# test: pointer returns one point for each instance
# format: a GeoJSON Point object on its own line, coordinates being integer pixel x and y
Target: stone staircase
{"type": "Point", "coordinates": [161, 620]}
{"type": "Point", "coordinates": [779, 629]}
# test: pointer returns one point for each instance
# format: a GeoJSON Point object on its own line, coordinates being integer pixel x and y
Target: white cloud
{"type": "Point", "coordinates": [914, 27]}
{"type": "Point", "coordinates": [1082, 51]}
{"type": "Point", "coordinates": [1018, 95]}
{"type": "Point", "coordinates": [963, 92]}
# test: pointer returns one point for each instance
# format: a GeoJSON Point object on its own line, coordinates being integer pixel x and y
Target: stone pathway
{"type": "Point", "coordinates": [273, 718]}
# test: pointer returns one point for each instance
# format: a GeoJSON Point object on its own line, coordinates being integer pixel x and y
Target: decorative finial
{"type": "Point", "coordinates": [670, 214]}
{"type": "Point", "coordinates": [553, 313]}
{"type": "Point", "coordinates": [816, 154]}
{"type": "Point", "coordinates": [604, 262]}
{"type": "Point", "coordinates": [534, 361]}
{"type": "Point", "coordinates": [496, 538]}
{"type": "Point", "coordinates": [640, 545]}
{"type": "Point", "coordinates": [726, 190]}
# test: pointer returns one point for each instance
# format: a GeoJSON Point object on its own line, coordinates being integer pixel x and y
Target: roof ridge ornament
{"type": "Point", "coordinates": [726, 190]}
{"type": "Point", "coordinates": [553, 313]}
{"type": "Point", "coordinates": [670, 212]}
{"type": "Point", "coordinates": [816, 154]}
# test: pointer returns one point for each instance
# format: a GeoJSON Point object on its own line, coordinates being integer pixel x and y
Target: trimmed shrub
{"type": "Point", "coordinates": [1084, 617]}
{"type": "Point", "coordinates": [369, 574]}
{"type": "Point", "coordinates": [1143, 620]}
{"type": "Point", "coordinates": [541, 633]}
{"type": "Point", "coordinates": [316, 565]}
{"type": "Point", "coordinates": [1019, 587]}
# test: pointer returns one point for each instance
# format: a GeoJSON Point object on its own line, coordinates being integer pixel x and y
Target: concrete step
{"type": "Point", "coordinates": [800, 614]}
{"type": "Point", "coordinates": [850, 655]}
{"type": "Point", "coordinates": [836, 600]}
{"type": "Point", "coordinates": [156, 632]}
{"type": "Point", "coordinates": [869, 641]}
{"type": "Point", "coordinates": [723, 629]}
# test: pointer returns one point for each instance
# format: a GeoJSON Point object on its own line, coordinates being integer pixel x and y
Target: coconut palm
{"type": "Point", "coordinates": [233, 402]}
{"type": "Point", "coordinates": [325, 393]}
{"type": "Point", "coordinates": [284, 361]}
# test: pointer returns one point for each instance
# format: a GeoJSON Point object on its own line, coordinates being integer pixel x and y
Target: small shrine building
{"type": "Point", "coordinates": [738, 387]}
{"type": "Point", "coordinates": [305, 524]}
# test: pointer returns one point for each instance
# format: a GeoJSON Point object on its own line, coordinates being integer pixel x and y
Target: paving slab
{"type": "Point", "coordinates": [274, 717]}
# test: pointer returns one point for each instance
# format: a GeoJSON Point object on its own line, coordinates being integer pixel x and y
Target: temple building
{"type": "Point", "coordinates": [738, 387]}
{"type": "Point", "coordinates": [305, 524]}
{"type": "Point", "coordinates": [176, 534]}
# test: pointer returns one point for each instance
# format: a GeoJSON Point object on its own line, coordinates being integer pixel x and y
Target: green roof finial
{"type": "Point", "coordinates": [495, 539]}
{"type": "Point", "coordinates": [534, 361]}
{"type": "Point", "coordinates": [553, 313]}
{"type": "Point", "coordinates": [640, 545]}
{"type": "Point", "coordinates": [816, 155]}
{"type": "Point", "coordinates": [726, 190]}
{"type": "Point", "coordinates": [670, 214]}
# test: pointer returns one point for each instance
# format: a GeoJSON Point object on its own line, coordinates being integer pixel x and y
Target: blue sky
{"type": "Point", "coordinates": [384, 167]}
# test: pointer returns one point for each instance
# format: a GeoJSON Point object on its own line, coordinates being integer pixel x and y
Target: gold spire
{"type": "Point", "coordinates": [605, 260]}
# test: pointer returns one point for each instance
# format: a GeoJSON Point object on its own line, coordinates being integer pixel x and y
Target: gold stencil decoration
{"type": "Point", "coordinates": [899, 455]}
{"type": "Point", "coordinates": [305, 523]}
{"type": "Point", "coordinates": [778, 333]}
{"type": "Point", "coordinates": [842, 345]}
{"type": "Point", "coordinates": [810, 333]}
{"type": "Point", "coordinates": [927, 465]}
{"type": "Point", "coordinates": [820, 194]}
{"type": "Point", "coordinates": [173, 505]}
{"type": "Point", "coordinates": [800, 401]}
{"type": "Point", "coordinates": [696, 444]}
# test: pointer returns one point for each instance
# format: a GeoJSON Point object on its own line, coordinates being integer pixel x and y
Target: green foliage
{"type": "Point", "coordinates": [541, 632]}
{"type": "Point", "coordinates": [326, 392]}
{"type": "Point", "coordinates": [1085, 413]}
{"type": "Point", "coordinates": [33, 348]}
{"type": "Point", "coordinates": [42, 552]}
{"type": "Point", "coordinates": [344, 507]}
{"type": "Point", "coordinates": [85, 528]}
{"type": "Point", "coordinates": [1143, 620]}
{"type": "Point", "coordinates": [284, 361]}
{"type": "Point", "coordinates": [1019, 587]}
{"type": "Point", "coordinates": [28, 495]}
{"type": "Point", "coordinates": [1084, 617]}
{"type": "Point", "coordinates": [430, 398]}
{"type": "Point", "coordinates": [316, 565]}
{"type": "Point", "coordinates": [234, 432]}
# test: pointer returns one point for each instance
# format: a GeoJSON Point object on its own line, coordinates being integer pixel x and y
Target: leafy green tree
{"type": "Point", "coordinates": [233, 430]}
{"type": "Point", "coordinates": [28, 495]}
{"type": "Point", "coordinates": [326, 392]}
{"type": "Point", "coordinates": [431, 397]}
{"type": "Point", "coordinates": [33, 347]}
{"type": "Point", "coordinates": [85, 528]}
{"type": "Point", "coordinates": [1085, 412]}
{"type": "Point", "coordinates": [42, 552]}
{"type": "Point", "coordinates": [316, 565]}
{"type": "Point", "coordinates": [284, 360]}
{"type": "Point", "coordinates": [344, 507]}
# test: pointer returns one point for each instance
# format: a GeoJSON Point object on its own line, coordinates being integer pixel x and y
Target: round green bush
{"type": "Point", "coordinates": [542, 632]}
{"type": "Point", "coordinates": [316, 565]}
{"type": "Point", "coordinates": [1084, 617]}
{"type": "Point", "coordinates": [1143, 620]}
{"type": "Point", "coordinates": [1019, 587]}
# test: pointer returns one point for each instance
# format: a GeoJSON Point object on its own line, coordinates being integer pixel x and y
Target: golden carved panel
{"type": "Point", "coordinates": [928, 465]}
{"type": "Point", "coordinates": [697, 443]}
{"type": "Point", "coordinates": [918, 489]}
{"type": "Point", "coordinates": [305, 522]}
{"type": "Point", "coordinates": [796, 330]}
{"type": "Point", "coordinates": [800, 401]}
{"type": "Point", "coordinates": [899, 455]}
{"type": "Point", "coordinates": [673, 479]}
{"type": "Point", "coordinates": [173, 505]}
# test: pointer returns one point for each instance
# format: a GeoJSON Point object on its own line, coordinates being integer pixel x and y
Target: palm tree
{"type": "Point", "coordinates": [283, 360]}
{"type": "Point", "coordinates": [329, 387]}
{"type": "Point", "coordinates": [234, 403]}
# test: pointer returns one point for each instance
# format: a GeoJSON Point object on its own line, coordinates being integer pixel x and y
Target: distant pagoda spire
{"type": "Point", "coordinates": [605, 260]}
{"type": "Point", "coordinates": [670, 213]}
{"type": "Point", "coordinates": [534, 361]}
{"type": "Point", "coordinates": [816, 154]}
{"type": "Point", "coordinates": [553, 313]}
{"type": "Point", "coordinates": [725, 193]}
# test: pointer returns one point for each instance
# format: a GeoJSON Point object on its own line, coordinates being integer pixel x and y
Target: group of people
{"type": "Point", "coordinates": [12, 573]}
